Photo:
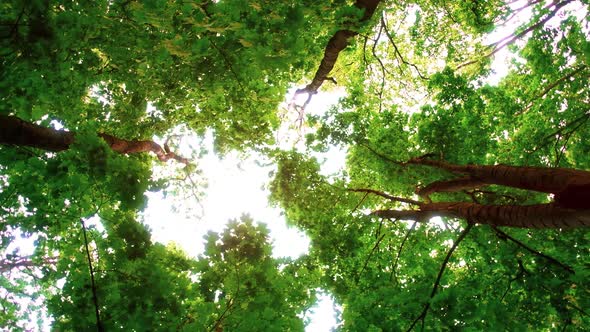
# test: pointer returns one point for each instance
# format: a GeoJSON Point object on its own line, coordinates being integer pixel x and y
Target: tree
{"type": "Point", "coordinates": [390, 274]}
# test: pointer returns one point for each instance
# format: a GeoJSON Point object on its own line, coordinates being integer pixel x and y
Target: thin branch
{"type": "Point", "coordinates": [521, 272]}
{"type": "Point", "coordinates": [230, 303]}
{"type": "Point", "coordinates": [516, 11]}
{"type": "Point", "coordinates": [382, 156]}
{"type": "Point", "coordinates": [360, 202]}
{"type": "Point", "coordinates": [369, 257]}
{"type": "Point", "coordinates": [551, 87]}
{"type": "Point", "coordinates": [382, 194]}
{"type": "Point", "coordinates": [397, 52]}
{"type": "Point", "coordinates": [504, 235]}
{"type": "Point", "coordinates": [99, 326]}
{"type": "Point", "coordinates": [573, 125]}
{"type": "Point", "coordinates": [422, 315]}
{"type": "Point", "coordinates": [217, 323]}
{"type": "Point", "coordinates": [383, 69]}
{"type": "Point", "coordinates": [401, 247]}
{"type": "Point", "coordinates": [500, 44]}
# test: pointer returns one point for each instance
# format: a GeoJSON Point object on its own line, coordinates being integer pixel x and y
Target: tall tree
{"type": "Point", "coordinates": [419, 85]}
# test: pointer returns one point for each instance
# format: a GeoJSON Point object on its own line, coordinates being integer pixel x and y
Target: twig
{"type": "Point", "coordinates": [397, 52]}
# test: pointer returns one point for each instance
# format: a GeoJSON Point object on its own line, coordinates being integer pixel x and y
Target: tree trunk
{"type": "Point", "coordinates": [15, 131]}
{"type": "Point", "coordinates": [523, 216]}
{"type": "Point", "coordinates": [454, 185]}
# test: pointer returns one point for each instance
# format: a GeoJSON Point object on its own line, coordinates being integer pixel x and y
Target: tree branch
{"type": "Point", "coordinates": [500, 44]}
{"type": "Point", "coordinates": [339, 41]}
{"type": "Point", "coordinates": [450, 186]}
{"type": "Point", "coordinates": [336, 44]}
{"type": "Point", "coordinates": [401, 247]}
{"type": "Point", "coordinates": [382, 156]}
{"type": "Point", "coordinates": [382, 194]}
{"type": "Point", "coordinates": [503, 235]}
{"type": "Point", "coordinates": [15, 131]}
{"type": "Point", "coordinates": [369, 257]}
{"type": "Point", "coordinates": [397, 52]}
{"type": "Point", "coordinates": [99, 326]}
{"type": "Point", "coordinates": [551, 86]}
{"type": "Point", "coordinates": [422, 315]}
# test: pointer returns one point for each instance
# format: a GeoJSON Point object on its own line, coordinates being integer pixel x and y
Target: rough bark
{"type": "Point", "coordinates": [338, 42]}
{"type": "Point", "coordinates": [15, 131]}
{"type": "Point", "coordinates": [523, 216]}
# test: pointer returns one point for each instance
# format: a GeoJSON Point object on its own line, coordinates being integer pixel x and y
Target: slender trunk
{"type": "Point", "coordinates": [542, 179]}
{"type": "Point", "coordinates": [336, 44]}
{"type": "Point", "coordinates": [454, 185]}
{"type": "Point", "coordinates": [523, 216]}
{"type": "Point", "coordinates": [15, 131]}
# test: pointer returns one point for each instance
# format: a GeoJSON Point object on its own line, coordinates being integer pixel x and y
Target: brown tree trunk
{"type": "Point", "coordinates": [523, 216]}
{"type": "Point", "coordinates": [454, 185]}
{"type": "Point", "coordinates": [15, 131]}
{"type": "Point", "coordinates": [336, 44]}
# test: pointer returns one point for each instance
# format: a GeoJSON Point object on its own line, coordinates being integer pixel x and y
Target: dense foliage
{"type": "Point", "coordinates": [421, 77]}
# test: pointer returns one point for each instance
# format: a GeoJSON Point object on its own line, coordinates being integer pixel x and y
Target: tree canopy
{"type": "Point", "coordinates": [462, 204]}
